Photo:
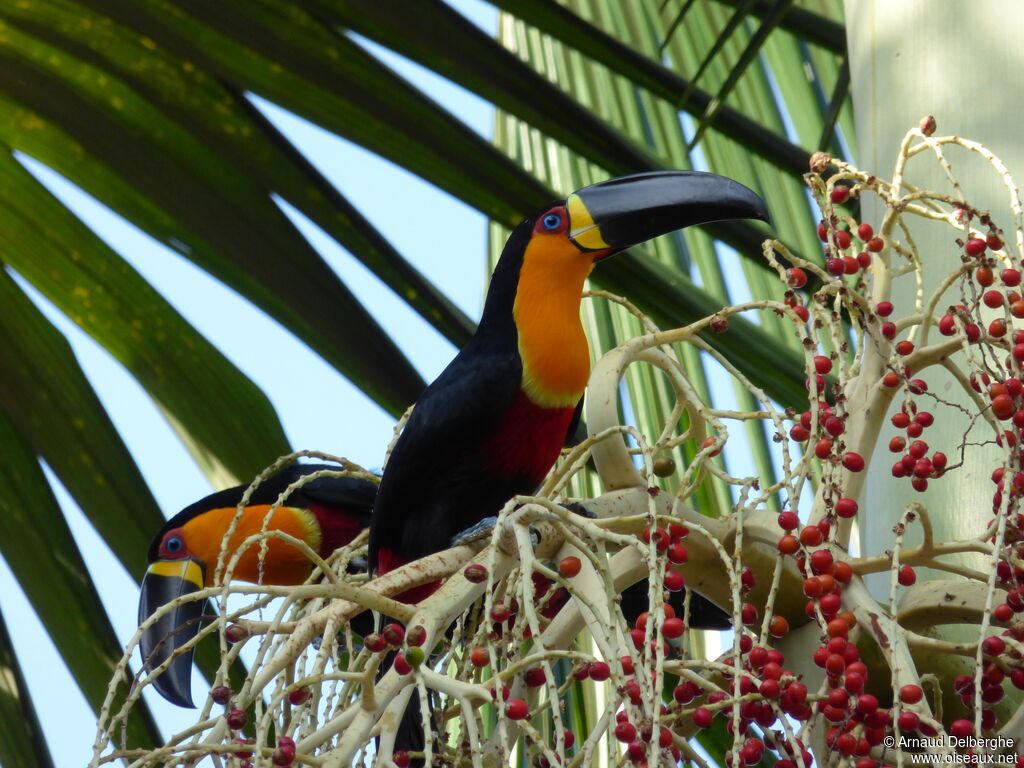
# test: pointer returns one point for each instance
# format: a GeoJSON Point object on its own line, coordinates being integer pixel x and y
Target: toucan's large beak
{"type": "Point", "coordinates": [616, 214]}
{"type": "Point", "coordinates": [165, 581]}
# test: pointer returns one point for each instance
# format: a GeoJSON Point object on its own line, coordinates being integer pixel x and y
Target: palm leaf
{"type": "Point", "coordinates": [22, 744]}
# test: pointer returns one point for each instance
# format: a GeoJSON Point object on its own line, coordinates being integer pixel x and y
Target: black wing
{"type": "Point", "coordinates": [432, 474]}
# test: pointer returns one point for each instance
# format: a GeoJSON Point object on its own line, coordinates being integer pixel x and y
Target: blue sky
{"type": "Point", "coordinates": [319, 409]}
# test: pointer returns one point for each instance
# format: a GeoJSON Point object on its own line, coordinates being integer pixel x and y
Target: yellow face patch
{"type": "Point", "coordinates": [187, 570]}
{"type": "Point", "coordinates": [282, 564]}
{"type": "Point", "coordinates": [552, 345]}
{"type": "Point", "coordinates": [583, 230]}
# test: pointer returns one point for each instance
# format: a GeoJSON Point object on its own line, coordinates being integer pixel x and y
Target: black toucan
{"type": "Point", "coordinates": [492, 424]}
{"type": "Point", "coordinates": [326, 513]}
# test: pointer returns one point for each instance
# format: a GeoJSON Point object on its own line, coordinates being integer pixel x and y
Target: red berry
{"type": "Point", "coordinates": [889, 330]}
{"type": "Point", "coordinates": [834, 425]}
{"type": "Point", "coordinates": [221, 694]}
{"type": "Point", "coordinates": [843, 572]}
{"type": "Point", "coordinates": [625, 732]}
{"type": "Point", "coordinates": [479, 657]}
{"type": "Point", "coordinates": [375, 643]}
{"type": "Point", "coordinates": [993, 241]}
{"type": "Point", "coordinates": [236, 719]}
{"type": "Point", "coordinates": [904, 347]}
{"type": "Point", "coordinates": [975, 247]}
{"type": "Point", "coordinates": [402, 666]}
{"type": "Point", "coordinates": [500, 613]}
{"type": "Point", "coordinates": [678, 553]}
{"type": "Point", "coordinates": [569, 566]}
{"type": "Point", "coordinates": [673, 628]}
{"type": "Point", "coordinates": [702, 717]}
{"type": "Point", "coordinates": [1003, 407]}
{"type": "Point", "coordinates": [993, 646]}
{"type": "Point", "coordinates": [842, 239]}
{"type": "Point", "coordinates": [891, 380]}
{"type": "Point", "coordinates": [961, 729]}
{"type": "Point", "coordinates": [394, 634]}
{"type": "Point", "coordinates": [984, 274]}
{"type": "Point", "coordinates": [475, 573]}
{"type": "Point", "coordinates": [908, 721]}
{"type": "Point", "coordinates": [778, 627]}
{"type": "Point", "coordinates": [674, 581]}
{"type": "Point", "coordinates": [875, 244]}
{"type": "Point", "coordinates": [821, 561]}
{"type": "Point", "coordinates": [846, 508]}
{"type": "Point", "coordinates": [788, 520]}
{"type": "Point", "coordinates": [811, 536]}
{"type": "Point", "coordinates": [993, 299]}
{"type": "Point", "coordinates": [799, 433]}
{"type": "Point", "coordinates": [235, 633]}
{"type": "Point", "coordinates": [822, 364]}
{"type": "Point", "coordinates": [516, 709]}
{"type": "Point", "coordinates": [835, 266]}
{"type": "Point", "coordinates": [401, 758]}
{"type": "Point", "coordinates": [534, 677]}
{"type": "Point", "coordinates": [840, 194]}
{"type": "Point", "coordinates": [788, 544]}
{"type": "Point", "coordinates": [865, 232]}
{"type": "Point", "coordinates": [911, 694]}
{"type": "Point", "coordinates": [884, 308]}
{"type": "Point", "coordinates": [796, 277]}
{"type": "Point", "coordinates": [947, 327]}
{"type": "Point", "coordinates": [853, 461]}
{"type": "Point", "coordinates": [906, 575]}
{"type": "Point", "coordinates": [299, 696]}
{"type": "Point", "coordinates": [823, 448]}
{"type": "Point", "coordinates": [599, 671]}
{"type": "Point", "coordinates": [1010, 277]}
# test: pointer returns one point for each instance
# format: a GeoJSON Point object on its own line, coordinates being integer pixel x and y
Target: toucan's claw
{"type": "Point", "coordinates": [476, 532]}
{"type": "Point", "coordinates": [578, 509]}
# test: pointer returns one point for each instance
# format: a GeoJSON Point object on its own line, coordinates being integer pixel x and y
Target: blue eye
{"type": "Point", "coordinates": [552, 221]}
{"type": "Point", "coordinates": [174, 545]}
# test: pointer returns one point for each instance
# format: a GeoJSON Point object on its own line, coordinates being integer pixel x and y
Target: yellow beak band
{"type": "Point", "coordinates": [186, 570]}
{"type": "Point", "coordinates": [584, 232]}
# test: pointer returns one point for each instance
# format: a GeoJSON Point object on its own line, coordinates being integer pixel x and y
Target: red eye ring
{"type": "Point", "coordinates": [172, 545]}
{"type": "Point", "coordinates": [553, 221]}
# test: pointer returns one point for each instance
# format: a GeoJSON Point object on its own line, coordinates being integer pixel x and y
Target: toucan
{"type": "Point", "coordinates": [326, 513]}
{"type": "Point", "coordinates": [493, 423]}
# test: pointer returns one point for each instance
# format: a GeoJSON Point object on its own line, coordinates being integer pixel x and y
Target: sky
{"type": "Point", "coordinates": [319, 409]}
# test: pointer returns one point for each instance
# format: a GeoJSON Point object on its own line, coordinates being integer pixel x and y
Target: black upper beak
{"type": "Point", "coordinates": [165, 581]}
{"type": "Point", "coordinates": [618, 213]}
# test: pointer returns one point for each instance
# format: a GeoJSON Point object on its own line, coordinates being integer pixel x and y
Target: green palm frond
{"type": "Point", "coordinates": [147, 106]}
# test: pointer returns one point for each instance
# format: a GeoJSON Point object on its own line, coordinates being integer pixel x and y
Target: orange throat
{"type": "Point", "coordinates": [552, 344]}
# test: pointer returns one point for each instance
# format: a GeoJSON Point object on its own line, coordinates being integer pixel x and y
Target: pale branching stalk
{"type": "Point", "coordinates": [537, 621]}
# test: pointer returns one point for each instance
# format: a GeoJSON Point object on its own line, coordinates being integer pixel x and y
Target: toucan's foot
{"type": "Point", "coordinates": [484, 530]}
{"type": "Point", "coordinates": [578, 509]}
{"type": "Point", "coordinates": [476, 532]}
{"type": "Point", "coordinates": [357, 565]}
